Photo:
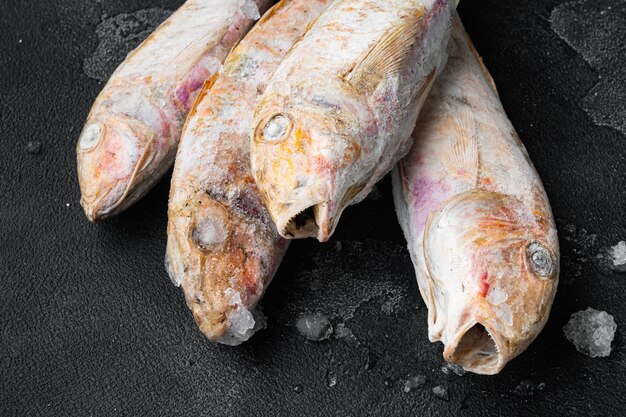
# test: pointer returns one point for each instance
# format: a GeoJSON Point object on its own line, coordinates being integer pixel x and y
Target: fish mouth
{"type": "Point", "coordinates": [107, 204]}
{"type": "Point", "coordinates": [311, 221]}
{"type": "Point", "coordinates": [98, 209]}
{"type": "Point", "coordinates": [478, 349]}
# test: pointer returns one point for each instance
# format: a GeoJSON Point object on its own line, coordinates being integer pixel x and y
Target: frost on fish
{"type": "Point", "coordinates": [223, 248]}
{"type": "Point", "coordinates": [131, 134]}
{"type": "Point", "coordinates": [249, 9]}
{"type": "Point", "coordinates": [477, 220]}
{"type": "Point", "coordinates": [591, 331]}
{"type": "Point", "coordinates": [330, 124]}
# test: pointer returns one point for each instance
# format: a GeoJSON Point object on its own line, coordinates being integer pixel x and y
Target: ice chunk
{"type": "Point", "coordinates": [250, 10]}
{"type": "Point", "coordinates": [242, 325]}
{"type": "Point", "coordinates": [591, 331]}
{"type": "Point", "coordinates": [497, 296]}
{"type": "Point", "coordinates": [314, 327]}
{"type": "Point", "coordinates": [412, 383]}
{"type": "Point", "coordinates": [617, 256]}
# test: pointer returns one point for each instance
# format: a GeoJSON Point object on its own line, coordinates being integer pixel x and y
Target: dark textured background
{"type": "Point", "coordinates": [91, 326]}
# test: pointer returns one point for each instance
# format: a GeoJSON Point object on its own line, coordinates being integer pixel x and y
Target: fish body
{"type": "Point", "coordinates": [129, 140]}
{"type": "Point", "coordinates": [339, 111]}
{"type": "Point", "coordinates": [477, 220]}
{"type": "Point", "coordinates": [223, 247]}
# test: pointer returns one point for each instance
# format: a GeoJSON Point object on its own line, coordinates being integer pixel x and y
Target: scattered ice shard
{"type": "Point", "coordinates": [343, 332]}
{"type": "Point", "coordinates": [591, 331]}
{"type": "Point", "coordinates": [34, 148]}
{"type": "Point", "coordinates": [450, 368]}
{"type": "Point", "coordinates": [314, 327]}
{"type": "Point", "coordinates": [617, 257]}
{"type": "Point", "coordinates": [331, 379]}
{"type": "Point", "coordinates": [528, 388]}
{"type": "Point", "coordinates": [414, 382]}
{"type": "Point", "coordinates": [441, 392]}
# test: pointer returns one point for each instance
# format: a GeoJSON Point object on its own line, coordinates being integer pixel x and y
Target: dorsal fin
{"type": "Point", "coordinates": [462, 152]}
{"type": "Point", "coordinates": [387, 56]}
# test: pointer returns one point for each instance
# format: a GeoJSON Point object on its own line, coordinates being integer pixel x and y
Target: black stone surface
{"type": "Point", "coordinates": [91, 326]}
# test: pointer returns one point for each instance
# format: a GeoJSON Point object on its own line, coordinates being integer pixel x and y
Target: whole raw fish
{"type": "Point", "coordinates": [477, 220]}
{"type": "Point", "coordinates": [223, 248]}
{"type": "Point", "coordinates": [339, 111]}
{"type": "Point", "coordinates": [130, 137]}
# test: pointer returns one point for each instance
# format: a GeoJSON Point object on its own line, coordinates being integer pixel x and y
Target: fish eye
{"type": "Point", "coordinates": [540, 259]}
{"type": "Point", "coordinates": [90, 137]}
{"type": "Point", "coordinates": [276, 128]}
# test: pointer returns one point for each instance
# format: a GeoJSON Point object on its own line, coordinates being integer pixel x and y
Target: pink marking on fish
{"type": "Point", "coordinates": [187, 91]}
{"type": "Point", "coordinates": [429, 195]}
{"type": "Point", "coordinates": [234, 32]}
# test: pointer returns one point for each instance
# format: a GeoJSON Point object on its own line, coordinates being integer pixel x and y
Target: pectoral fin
{"type": "Point", "coordinates": [462, 152]}
{"type": "Point", "coordinates": [387, 57]}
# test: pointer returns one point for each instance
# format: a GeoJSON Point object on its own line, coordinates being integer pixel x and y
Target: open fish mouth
{"type": "Point", "coordinates": [477, 349]}
{"type": "Point", "coordinates": [311, 221]}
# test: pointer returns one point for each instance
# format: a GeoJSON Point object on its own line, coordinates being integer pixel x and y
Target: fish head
{"type": "Point", "coordinates": [223, 252]}
{"type": "Point", "coordinates": [494, 264]}
{"type": "Point", "coordinates": [120, 155]}
{"type": "Point", "coordinates": [305, 155]}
